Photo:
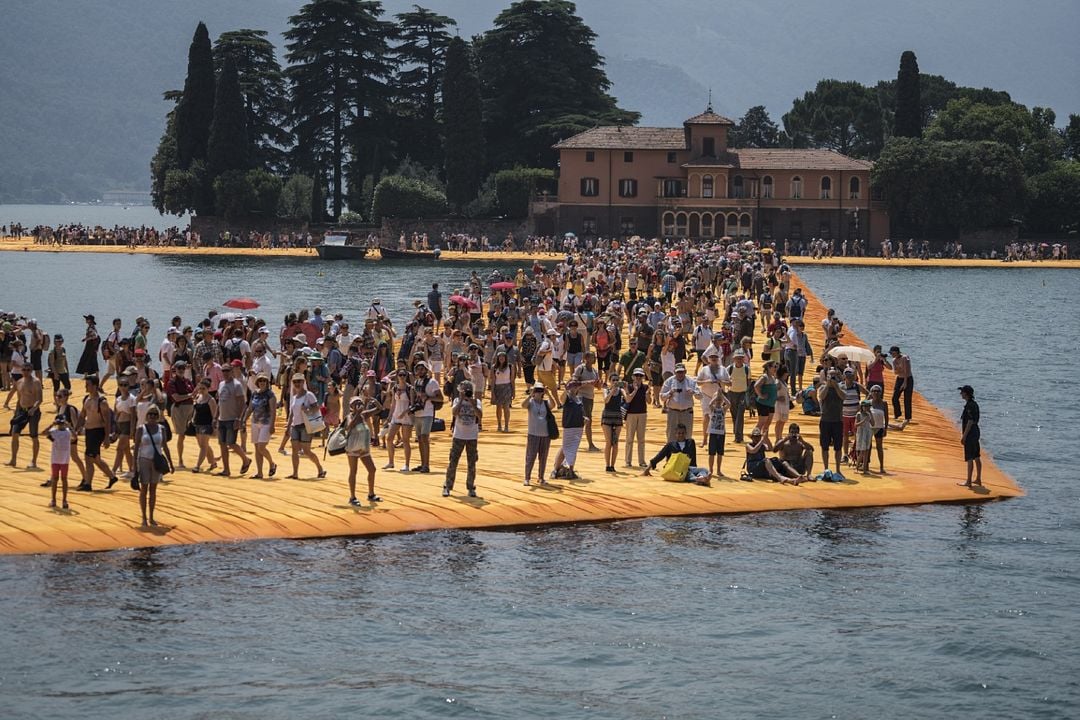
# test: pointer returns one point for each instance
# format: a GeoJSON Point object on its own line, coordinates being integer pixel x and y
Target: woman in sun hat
{"type": "Point", "coordinates": [262, 407]}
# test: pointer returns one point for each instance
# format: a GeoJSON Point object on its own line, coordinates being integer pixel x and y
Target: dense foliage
{"type": "Point", "coordinates": [907, 119]}
{"type": "Point", "coordinates": [402, 197]}
{"type": "Point", "coordinates": [515, 187]}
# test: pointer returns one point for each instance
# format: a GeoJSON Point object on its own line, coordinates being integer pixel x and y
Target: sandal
{"type": "Point", "coordinates": [354, 502]}
{"type": "Point", "coordinates": [273, 469]}
{"type": "Point", "coordinates": [373, 498]}
{"type": "Point", "coordinates": [291, 477]}
{"type": "Point", "coordinates": [322, 474]}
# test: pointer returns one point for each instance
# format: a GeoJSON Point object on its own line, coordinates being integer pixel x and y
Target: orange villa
{"type": "Point", "coordinates": [619, 181]}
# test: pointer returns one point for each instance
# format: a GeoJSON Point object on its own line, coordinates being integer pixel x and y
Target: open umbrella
{"type": "Point", "coordinates": [241, 303]}
{"type": "Point", "coordinates": [463, 301]}
{"type": "Point", "coordinates": [852, 352]}
{"type": "Point", "coordinates": [674, 253]}
{"type": "Point", "coordinates": [503, 285]}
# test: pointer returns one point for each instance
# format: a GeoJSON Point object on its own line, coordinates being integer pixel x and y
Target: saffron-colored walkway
{"type": "Point", "coordinates": [924, 463]}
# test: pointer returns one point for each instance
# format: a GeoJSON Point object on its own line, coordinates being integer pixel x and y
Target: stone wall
{"type": "Point", "coordinates": [210, 227]}
{"type": "Point", "coordinates": [983, 241]}
{"type": "Point", "coordinates": [496, 230]}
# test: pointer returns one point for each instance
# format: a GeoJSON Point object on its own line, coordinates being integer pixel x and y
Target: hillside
{"type": "Point", "coordinates": [81, 86]}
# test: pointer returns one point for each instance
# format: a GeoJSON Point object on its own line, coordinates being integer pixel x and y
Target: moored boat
{"type": "Point", "coordinates": [389, 253]}
{"type": "Point", "coordinates": [338, 247]}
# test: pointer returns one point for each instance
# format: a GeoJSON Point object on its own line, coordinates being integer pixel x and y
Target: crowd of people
{"type": "Point", "coordinates": [588, 349]}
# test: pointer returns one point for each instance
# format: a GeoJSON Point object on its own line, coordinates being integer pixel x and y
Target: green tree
{"type": "Point", "coordinates": [338, 55]}
{"type": "Point", "coordinates": [229, 145]}
{"type": "Point", "coordinates": [1071, 135]}
{"type": "Point", "coordinates": [463, 126]}
{"type": "Point", "coordinates": [318, 198]}
{"type": "Point", "coordinates": [265, 95]}
{"type": "Point", "coordinates": [838, 115]}
{"type": "Point", "coordinates": [1054, 199]}
{"type": "Point", "coordinates": [542, 80]}
{"type": "Point", "coordinates": [420, 54]}
{"type": "Point", "coordinates": [907, 119]}
{"type": "Point", "coordinates": [165, 161]}
{"type": "Point", "coordinates": [195, 111]}
{"type": "Point", "coordinates": [937, 188]}
{"type": "Point", "coordinates": [295, 198]}
{"type": "Point", "coordinates": [1031, 134]}
{"type": "Point", "coordinates": [515, 187]}
{"type": "Point", "coordinates": [755, 129]}
{"type": "Point", "coordinates": [397, 196]}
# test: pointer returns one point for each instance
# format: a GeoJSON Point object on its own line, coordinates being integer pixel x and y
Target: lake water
{"type": "Point", "coordinates": [933, 611]}
{"type": "Point", "coordinates": [90, 215]}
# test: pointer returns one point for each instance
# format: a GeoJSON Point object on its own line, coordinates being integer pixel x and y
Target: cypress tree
{"type": "Point", "coordinates": [420, 54]}
{"type": "Point", "coordinates": [228, 146]}
{"type": "Point", "coordinates": [195, 111]}
{"type": "Point", "coordinates": [462, 125]}
{"type": "Point", "coordinates": [908, 118]}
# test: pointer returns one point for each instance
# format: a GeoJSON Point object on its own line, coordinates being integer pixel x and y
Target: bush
{"type": "Point", "coordinates": [295, 199]}
{"type": "Point", "coordinates": [265, 192]}
{"type": "Point", "coordinates": [1054, 205]}
{"type": "Point", "coordinates": [514, 188]}
{"type": "Point", "coordinates": [233, 195]}
{"type": "Point", "coordinates": [400, 197]}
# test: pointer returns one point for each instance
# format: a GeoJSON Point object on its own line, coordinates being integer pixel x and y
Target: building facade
{"type": "Point", "coordinates": [687, 182]}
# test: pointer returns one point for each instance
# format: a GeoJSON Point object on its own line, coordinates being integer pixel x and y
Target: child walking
{"type": "Point", "coordinates": [60, 435]}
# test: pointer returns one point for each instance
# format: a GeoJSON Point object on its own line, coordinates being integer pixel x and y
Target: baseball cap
{"type": "Point", "coordinates": [738, 353]}
{"type": "Point", "coordinates": [237, 363]}
{"type": "Point", "coordinates": [639, 371]}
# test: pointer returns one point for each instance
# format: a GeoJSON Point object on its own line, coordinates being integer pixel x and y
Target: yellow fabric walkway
{"type": "Point", "coordinates": [924, 463]}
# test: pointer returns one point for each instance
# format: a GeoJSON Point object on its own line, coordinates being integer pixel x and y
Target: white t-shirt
{"type": "Point", "coordinates": [61, 446]}
{"type": "Point", "coordinates": [709, 383]}
{"type": "Point", "coordinates": [466, 426]}
{"type": "Point", "coordinates": [165, 354]}
{"type": "Point", "coordinates": [296, 407]}
{"type": "Point", "coordinates": [259, 364]}
{"type": "Point", "coordinates": [546, 352]}
{"type": "Point", "coordinates": [431, 389]}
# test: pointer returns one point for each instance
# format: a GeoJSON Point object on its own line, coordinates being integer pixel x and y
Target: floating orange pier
{"type": "Point", "coordinates": [923, 462]}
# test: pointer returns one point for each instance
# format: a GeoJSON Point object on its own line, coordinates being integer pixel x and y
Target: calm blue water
{"type": "Point", "coordinates": [935, 611]}
{"type": "Point", "coordinates": [90, 215]}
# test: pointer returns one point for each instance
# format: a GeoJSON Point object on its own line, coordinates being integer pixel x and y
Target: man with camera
{"type": "Point", "coordinates": [677, 394]}
{"type": "Point", "coordinates": [831, 422]}
{"type": "Point", "coordinates": [427, 394]}
{"type": "Point", "coordinates": [468, 415]}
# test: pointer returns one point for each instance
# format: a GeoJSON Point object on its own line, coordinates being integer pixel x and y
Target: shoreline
{"type": "Point", "coordinates": [27, 245]}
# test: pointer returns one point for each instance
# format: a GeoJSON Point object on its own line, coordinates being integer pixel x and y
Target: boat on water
{"type": "Point", "coordinates": [389, 253]}
{"type": "Point", "coordinates": [340, 247]}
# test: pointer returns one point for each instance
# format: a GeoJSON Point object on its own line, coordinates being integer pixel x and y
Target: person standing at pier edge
{"type": "Point", "coordinates": [27, 414]}
{"type": "Point", "coordinates": [903, 385]}
{"type": "Point", "coordinates": [969, 435]}
{"type": "Point", "coordinates": [468, 414]}
{"type": "Point", "coordinates": [831, 423]}
{"type": "Point", "coordinates": [150, 440]}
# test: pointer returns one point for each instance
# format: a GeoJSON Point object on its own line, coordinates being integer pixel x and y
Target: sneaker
{"type": "Point", "coordinates": [472, 493]}
{"type": "Point", "coordinates": [64, 506]}
{"type": "Point", "coordinates": [423, 469]}
{"type": "Point", "coordinates": [84, 488]}
{"type": "Point", "coordinates": [32, 466]}
{"type": "Point", "coordinates": [404, 468]}
{"type": "Point", "coordinates": [47, 483]}
{"type": "Point", "coordinates": [446, 491]}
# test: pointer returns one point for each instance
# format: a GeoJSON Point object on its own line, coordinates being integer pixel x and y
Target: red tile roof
{"type": "Point", "coordinates": [709, 118]}
{"type": "Point", "coordinates": [788, 159]}
{"type": "Point", "coordinates": [617, 137]}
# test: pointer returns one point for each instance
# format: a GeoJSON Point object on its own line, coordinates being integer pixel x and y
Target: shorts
{"type": "Point", "coordinates": [181, 416]}
{"type": "Point", "coordinates": [24, 418]}
{"type": "Point", "coordinates": [59, 471]}
{"type": "Point", "coordinates": [95, 437]}
{"type": "Point", "coordinates": [971, 446]}
{"type": "Point", "coordinates": [423, 425]}
{"type": "Point", "coordinates": [299, 433]}
{"type": "Point", "coordinates": [881, 432]}
{"type": "Point", "coordinates": [716, 444]}
{"type": "Point", "coordinates": [587, 405]}
{"type": "Point", "coordinates": [436, 366]}
{"type": "Point", "coordinates": [260, 433]}
{"type": "Point", "coordinates": [574, 359]}
{"type": "Point", "coordinates": [764, 410]}
{"type": "Point", "coordinates": [204, 429]}
{"type": "Point", "coordinates": [123, 427]}
{"type": "Point", "coordinates": [849, 425]}
{"type": "Point", "coordinates": [832, 434]}
{"type": "Point", "coordinates": [226, 432]}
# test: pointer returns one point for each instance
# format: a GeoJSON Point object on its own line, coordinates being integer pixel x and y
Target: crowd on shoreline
{"type": "Point", "coordinates": [708, 337]}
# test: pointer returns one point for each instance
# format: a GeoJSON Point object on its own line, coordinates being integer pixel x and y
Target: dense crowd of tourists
{"type": "Point", "coordinates": [710, 339]}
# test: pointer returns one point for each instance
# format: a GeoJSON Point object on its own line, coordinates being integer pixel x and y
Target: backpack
{"type": "Point", "coordinates": [232, 350]}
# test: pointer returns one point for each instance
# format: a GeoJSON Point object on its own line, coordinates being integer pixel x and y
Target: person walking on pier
{"type": "Point", "coordinates": [27, 415]}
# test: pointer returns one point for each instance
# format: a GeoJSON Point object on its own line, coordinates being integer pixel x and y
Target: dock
{"type": "Point", "coordinates": [924, 463]}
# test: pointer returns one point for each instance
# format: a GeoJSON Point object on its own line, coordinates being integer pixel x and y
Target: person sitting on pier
{"type": "Point", "coordinates": [681, 444]}
{"type": "Point", "coordinates": [759, 467]}
{"type": "Point", "coordinates": [796, 452]}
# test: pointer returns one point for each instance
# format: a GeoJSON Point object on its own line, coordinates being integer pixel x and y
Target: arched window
{"type": "Point", "coordinates": [766, 187]}
{"type": "Point", "coordinates": [707, 186]}
{"type": "Point", "coordinates": [737, 189]}
{"type": "Point", "coordinates": [706, 225]}
{"type": "Point", "coordinates": [796, 187]}
{"type": "Point", "coordinates": [744, 225]}
{"type": "Point", "coordinates": [826, 188]}
{"type": "Point", "coordinates": [732, 225]}
{"type": "Point", "coordinates": [853, 188]}
{"type": "Point", "coordinates": [669, 224]}
{"type": "Point", "coordinates": [680, 225]}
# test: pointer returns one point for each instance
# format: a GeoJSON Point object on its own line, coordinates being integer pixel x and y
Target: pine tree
{"type": "Point", "coordinates": [337, 50]}
{"type": "Point", "coordinates": [542, 80]}
{"type": "Point", "coordinates": [421, 58]}
{"type": "Point", "coordinates": [265, 96]}
{"type": "Point", "coordinates": [908, 118]}
{"type": "Point", "coordinates": [196, 109]}
{"type": "Point", "coordinates": [463, 126]}
{"type": "Point", "coordinates": [228, 146]}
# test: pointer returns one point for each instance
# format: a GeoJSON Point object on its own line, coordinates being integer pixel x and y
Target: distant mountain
{"type": "Point", "coordinates": [81, 83]}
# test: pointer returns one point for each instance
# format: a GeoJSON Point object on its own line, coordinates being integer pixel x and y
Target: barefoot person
{"type": "Point", "coordinates": [969, 436]}
{"type": "Point", "coordinates": [358, 432]}
{"type": "Point", "coordinates": [796, 452]}
{"type": "Point", "coordinates": [27, 415]}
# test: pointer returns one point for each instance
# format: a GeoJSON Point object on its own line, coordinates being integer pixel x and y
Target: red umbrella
{"type": "Point", "coordinates": [504, 285]}
{"type": "Point", "coordinates": [241, 303]}
{"type": "Point", "coordinates": [463, 301]}
{"type": "Point", "coordinates": [674, 253]}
